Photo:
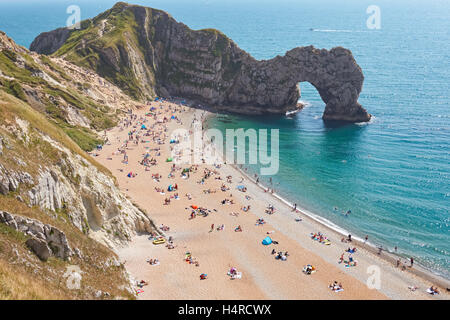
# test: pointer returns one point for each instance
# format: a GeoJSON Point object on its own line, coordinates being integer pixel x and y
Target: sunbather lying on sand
{"type": "Point", "coordinates": [433, 290]}
{"type": "Point", "coordinates": [153, 262]}
{"type": "Point", "coordinates": [142, 283]}
{"type": "Point", "coordinates": [336, 287]}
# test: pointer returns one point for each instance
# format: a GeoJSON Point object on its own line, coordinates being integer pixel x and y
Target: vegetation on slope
{"type": "Point", "coordinates": [132, 47]}
{"type": "Point", "coordinates": [107, 54]}
{"type": "Point", "coordinates": [11, 107]}
{"type": "Point", "coordinates": [21, 76]}
{"type": "Point", "coordinates": [22, 274]}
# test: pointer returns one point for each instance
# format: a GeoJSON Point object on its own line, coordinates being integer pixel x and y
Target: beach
{"type": "Point", "coordinates": [218, 251]}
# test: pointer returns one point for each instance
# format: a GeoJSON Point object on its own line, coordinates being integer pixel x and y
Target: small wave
{"type": "Point", "coordinates": [304, 103]}
{"type": "Point", "coordinates": [372, 120]}
{"type": "Point", "coordinates": [332, 30]}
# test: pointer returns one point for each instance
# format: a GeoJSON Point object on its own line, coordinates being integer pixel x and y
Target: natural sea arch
{"type": "Point", "coordinates": [274, 84]}
{"type": "Point", "coordinates": [169, 59]}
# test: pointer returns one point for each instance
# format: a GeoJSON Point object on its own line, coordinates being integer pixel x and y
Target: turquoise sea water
{"type": "Point", "coordinates": [394, 172]}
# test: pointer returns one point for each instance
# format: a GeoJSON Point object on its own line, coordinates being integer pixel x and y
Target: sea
{"type": "Point", "coordinates": [392, 173]}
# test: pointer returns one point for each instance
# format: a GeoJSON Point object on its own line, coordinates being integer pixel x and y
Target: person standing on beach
{"type": "Point", "coordinates": [366, 238]}
{"type": "Point", "coordinates": [295, 207]}
{"type": "Point", "coordinates": [412, 262]}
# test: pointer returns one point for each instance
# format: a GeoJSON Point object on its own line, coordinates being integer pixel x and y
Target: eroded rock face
{"type": "Point", "coordinates": [53, 40]}
{"type": "Point", "coordinates": [39, 247]}
{"type": "Point", "coordinates": [73, 186]}
{"type": "Point", "coordinates": [10, 180]}
{"type": "Point", "coordinates": [45, 240]}
{"type": "Point", "coordinates": [169, 59]}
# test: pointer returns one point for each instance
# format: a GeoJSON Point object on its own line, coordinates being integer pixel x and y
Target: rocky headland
{"type": "Point", "coordinates": [146, 52]}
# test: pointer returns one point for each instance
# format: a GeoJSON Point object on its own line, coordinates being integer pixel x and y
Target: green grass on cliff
{"type": "Point", "coordinates": [9, 68]}
{"type": "Point", "coordinates": [20, 281]}
{"type": "Point", "coordinates": [11, 107]}
{"type": "Point", "coordinates": [21, 70]}
{"type": "Point", "coordinates": [109, 55]}
{"type": "Point", "coordinates": [13, 88]}
{"type": "Point", "coordinates": [96, 51]}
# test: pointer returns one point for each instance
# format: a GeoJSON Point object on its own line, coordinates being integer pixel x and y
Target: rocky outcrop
{"type": "Point", "coordinates": [71, 186]}
{"type": "Point", "coordinates": [10, 180]}
{"type": "Point", "coordinates": [45, 240]}
{"type": "Point", "coordinates": [164, 57]}
{"type": "Point", "coordinates": [69, 94]}
{"type": "Point", "coordinates": [52, 41]}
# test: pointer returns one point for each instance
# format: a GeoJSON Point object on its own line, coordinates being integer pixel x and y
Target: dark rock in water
{"type": "Point", "coordinates": [147, 52]}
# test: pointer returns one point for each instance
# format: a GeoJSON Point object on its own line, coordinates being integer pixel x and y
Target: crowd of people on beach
{"type": "Point", "coordinates": [150, 132]}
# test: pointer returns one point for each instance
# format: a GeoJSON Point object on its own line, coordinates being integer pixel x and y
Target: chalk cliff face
{"type": "Point", "coordinates": [55, 199]}
{"type": "Point", "coordinates": [59, 178]}
{"type": "Point", "coordinates": [146, 53]}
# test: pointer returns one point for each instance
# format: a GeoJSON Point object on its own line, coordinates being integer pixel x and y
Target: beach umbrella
{"type": "Point", "coordinates": [266, 241]}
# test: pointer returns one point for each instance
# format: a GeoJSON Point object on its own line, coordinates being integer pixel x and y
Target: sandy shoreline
{"type": "Point", "coordinates": [263, 277]}
{"type": "Point", "coordinates": [390, 257]}
{"type": "Point", "coordinates": [367, 246]}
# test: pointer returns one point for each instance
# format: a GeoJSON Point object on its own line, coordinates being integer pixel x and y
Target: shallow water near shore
{"type": "Point", "coordinates": [392, 173]}
{"type": "Point", "coordinates": [395, 196]}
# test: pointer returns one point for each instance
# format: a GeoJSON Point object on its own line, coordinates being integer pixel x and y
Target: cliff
{"type": "Point", "coordinates": [146, 53]}
{"type": "Point", "coordinates": [74, 98]}
{"type": "Point", "coordinates": [58, 206]}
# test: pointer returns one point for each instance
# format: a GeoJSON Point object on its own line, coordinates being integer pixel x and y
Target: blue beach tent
{"type": "Point", "coordinates": [267, 241]}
